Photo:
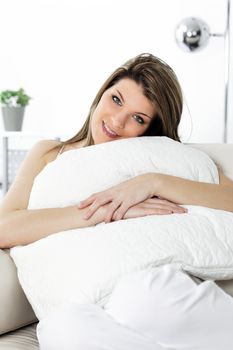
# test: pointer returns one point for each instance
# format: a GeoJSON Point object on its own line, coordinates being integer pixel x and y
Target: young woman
{"type": "Point", "coordinates": [141, 98]}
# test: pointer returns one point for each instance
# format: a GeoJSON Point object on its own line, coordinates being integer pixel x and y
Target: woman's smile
{"type": "Point", "coordinates": [109, 132]}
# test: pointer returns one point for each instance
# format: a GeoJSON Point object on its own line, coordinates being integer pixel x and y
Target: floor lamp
{"type": "Point", "coordinates": [193, 34]}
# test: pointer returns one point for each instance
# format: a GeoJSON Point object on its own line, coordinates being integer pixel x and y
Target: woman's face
{"type": "Point", "coordinates": [122, 112]}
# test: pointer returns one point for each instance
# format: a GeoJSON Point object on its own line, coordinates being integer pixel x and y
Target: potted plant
{"type": "Point", "coordinates": [13, 108]}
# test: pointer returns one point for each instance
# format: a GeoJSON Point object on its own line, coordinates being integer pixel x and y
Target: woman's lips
{"type": "Point", "coordinates": [110, 133]}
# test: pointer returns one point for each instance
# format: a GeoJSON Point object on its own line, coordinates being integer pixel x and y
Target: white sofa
{"type": "Point", "coordinates": [17, 319]}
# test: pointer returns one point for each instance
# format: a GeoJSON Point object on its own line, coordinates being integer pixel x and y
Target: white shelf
{"type": "Point", "coordinates": [6, 136]}
{"type": "Point", "coordinates": [30, 134]}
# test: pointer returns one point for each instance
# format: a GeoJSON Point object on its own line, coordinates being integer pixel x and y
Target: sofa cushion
{"type": "Point", "coordinates": [21, 339]}
{"type": "Point", "coordinates": [220, 153]}
{"type": "Point", "coordinates": [15, 308]}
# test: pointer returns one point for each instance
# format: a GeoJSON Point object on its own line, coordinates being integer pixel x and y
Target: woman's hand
{"type": "Point", "coordinates": [121, 197]}
{"type": "Point", "coordinates": [153, 206]}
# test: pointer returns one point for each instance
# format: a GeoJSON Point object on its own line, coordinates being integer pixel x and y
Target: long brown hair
{"type": "Point", "coordinates": [160, 85]}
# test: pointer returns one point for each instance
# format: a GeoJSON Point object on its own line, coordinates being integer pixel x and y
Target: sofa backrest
{"type": "Point", "coordinates": [221, 153]}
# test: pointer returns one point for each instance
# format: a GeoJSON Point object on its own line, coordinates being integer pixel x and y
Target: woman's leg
{"type": "Point", "coordinates": [169, 307]}
{"type": "Point", "coordinates": [88, 327]}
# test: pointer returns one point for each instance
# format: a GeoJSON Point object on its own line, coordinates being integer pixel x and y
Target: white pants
{"type": "Point", "coordinates": [155, 309]}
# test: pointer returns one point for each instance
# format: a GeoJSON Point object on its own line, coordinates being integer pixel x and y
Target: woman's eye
{"type": "Point", "coordinates": [138, 119]}
{"type": "Point", "coordinates": [116, 100]}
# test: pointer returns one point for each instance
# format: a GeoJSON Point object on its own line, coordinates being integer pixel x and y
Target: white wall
{"type": "Point", "coordinates": [230, 100]}
{"type": "Point", "coordinates": [61, 51]}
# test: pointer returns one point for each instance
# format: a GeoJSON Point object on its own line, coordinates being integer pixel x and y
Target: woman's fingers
{"type": "Point", "coordinates": [165, 206]}
{"type": "Point", "coordinates": [110, 211]}
{"type": "Point", "coordinates": [149, 207]}
{"type": "Point", "coordinates": [139, 212]}
{"type": "Point", "coordinates": [100, 197]}
{"type": "Point", "coordinates": [134, 190]}
{"type": "Point", "coordinates": [173, 208]}
{"type": "Point", "coordinates": [164, 202]}
{"type": "Point", "coordinates": [86, 202]}
{"type": "Point", "coordinates": [94, 206]}
{"type": "Point", "coordinates": [120, 212]}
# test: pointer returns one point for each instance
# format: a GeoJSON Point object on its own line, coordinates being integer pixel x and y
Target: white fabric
{"type": "Point", "coordinates": [88, 327]}
{"type": "Point", "coordinates": [78, 173]}
{"type": "Point", "coordinates": [83, 265]}
{"type": "Point", "coordinates": [155, 309]}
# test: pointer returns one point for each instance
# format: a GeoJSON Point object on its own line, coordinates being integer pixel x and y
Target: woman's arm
{"type": "Point", "coordinates": [18, 225]}
{"type": "Point", "coordinates": [182, 191]}
{"type": "Point", "coordinates": [24, 226]}
{"type": "Point", "coordinates": [174, 189]}
{"type": "Point", "coordinates": [27, 226]}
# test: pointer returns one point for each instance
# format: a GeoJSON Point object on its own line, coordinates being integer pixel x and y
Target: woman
{"type": "Point", "coordinates": [153, 107]}
{"type": "Point", "coordinates": [143, 97]}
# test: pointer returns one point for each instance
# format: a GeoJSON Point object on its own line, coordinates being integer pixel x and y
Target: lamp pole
{"type": "Point", "coordinates": [227, 70]}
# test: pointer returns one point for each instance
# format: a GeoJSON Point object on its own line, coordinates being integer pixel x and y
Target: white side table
{"type": "Point", "coordinates": [5, 150]}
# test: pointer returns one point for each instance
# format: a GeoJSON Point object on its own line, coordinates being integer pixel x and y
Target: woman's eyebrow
{"type": "Point", "coordinates": [121, 96]}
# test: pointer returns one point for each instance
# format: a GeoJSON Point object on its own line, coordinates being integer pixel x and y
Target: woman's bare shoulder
{"type": "Point", "coordinates": [48, 149]}
{"type": "Point", "coordinates": [18, 194]}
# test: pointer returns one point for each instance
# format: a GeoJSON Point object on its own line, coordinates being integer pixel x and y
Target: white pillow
{"type": "Point", "coordinates": [83, 265]}
{"type": "Point", "coordinates": [78, 173]}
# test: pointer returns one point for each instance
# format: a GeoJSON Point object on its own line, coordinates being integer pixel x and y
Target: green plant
{"type": "Point", "coordinates": [14, 98]}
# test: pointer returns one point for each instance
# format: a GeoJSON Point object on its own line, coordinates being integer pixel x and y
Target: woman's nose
{"type": "Point", "coordinates": [119, 120]}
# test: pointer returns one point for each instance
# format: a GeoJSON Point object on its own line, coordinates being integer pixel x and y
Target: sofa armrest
{"type": "Point", "coordinates": [15, 308]}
